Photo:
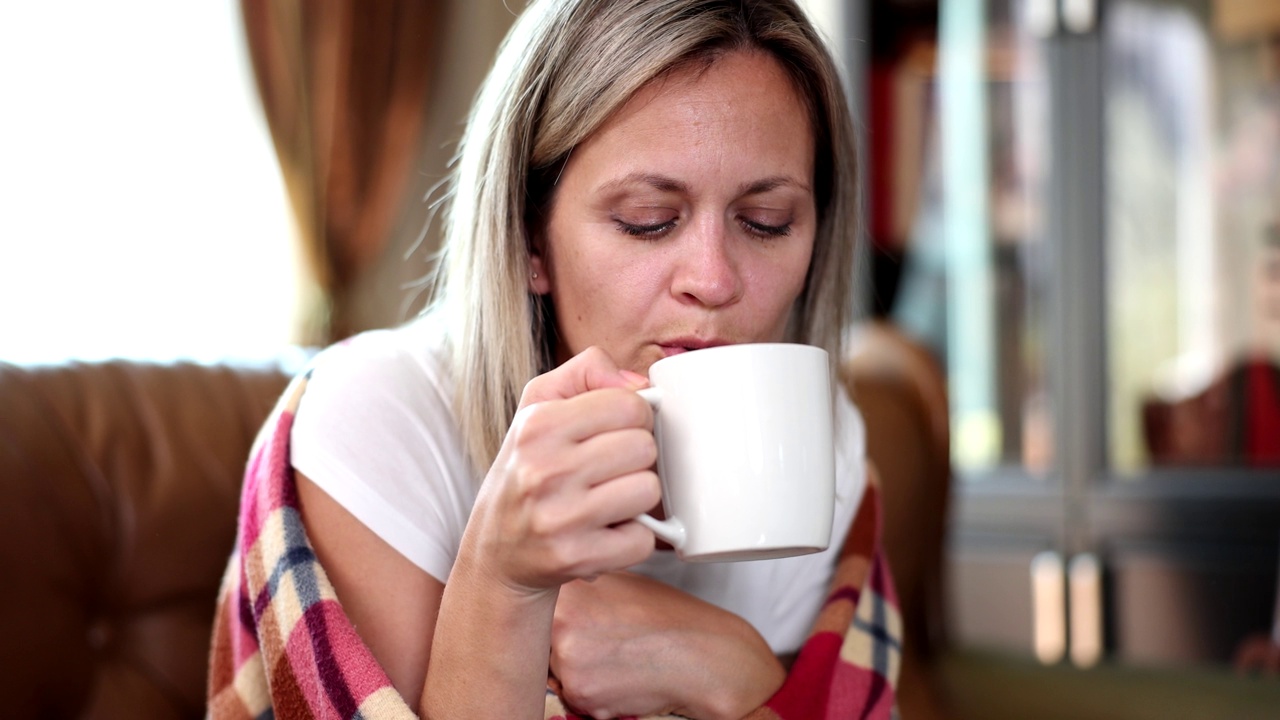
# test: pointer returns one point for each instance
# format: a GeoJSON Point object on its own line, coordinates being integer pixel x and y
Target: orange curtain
{"type": "Point", "coordinates": [343, 84]}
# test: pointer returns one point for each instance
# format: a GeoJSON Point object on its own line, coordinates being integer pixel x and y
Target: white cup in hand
{"type": "Point", "coordinates": [745, 451]}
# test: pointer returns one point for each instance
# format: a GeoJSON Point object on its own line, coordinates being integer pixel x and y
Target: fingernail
{"type": "Point", "coordinates": [634, 379]}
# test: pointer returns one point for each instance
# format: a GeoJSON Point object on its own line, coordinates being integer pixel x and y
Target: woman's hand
{"type": "Point", "coordinates": [574, 469]}
{"type": "Point", "coordinates": [557, 504]}
{"type": "Point", "coordinates": [628, 645]}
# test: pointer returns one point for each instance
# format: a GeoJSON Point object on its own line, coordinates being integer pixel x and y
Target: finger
{"type": "Point", "coordinates": [555, 430]}
{"type": "Point", "coordinates": [574, 466]}
{"type": "Point", "coordinates": [620, 499]}
{"type": "Point", "coordinates": [607, 456]}
{"type": "Point", "coordinates": [591, 369]}
{"type": "Point", "coordinates": [575, 501]}
{"type": "Point", "coordinates": [616, 548]}
{"type": "Point", "coordinates": [602, 411]}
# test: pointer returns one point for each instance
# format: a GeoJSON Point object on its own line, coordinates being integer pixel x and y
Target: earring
{"type": "Point", "coordinates": [535, 275]}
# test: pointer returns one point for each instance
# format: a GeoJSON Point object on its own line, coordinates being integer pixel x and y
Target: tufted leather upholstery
{"type": "Point", "coordinates": [120, 484]}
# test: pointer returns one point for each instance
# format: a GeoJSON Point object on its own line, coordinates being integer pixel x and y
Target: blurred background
{"type": "Point", "coordinates": [1072, 211]}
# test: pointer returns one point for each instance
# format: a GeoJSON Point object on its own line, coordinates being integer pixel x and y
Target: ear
{"type": "Point", "coordinates": [539, 278]}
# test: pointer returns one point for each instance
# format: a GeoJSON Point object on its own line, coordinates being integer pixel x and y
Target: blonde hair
{"type": "Point", "coordinates": [564, 68]}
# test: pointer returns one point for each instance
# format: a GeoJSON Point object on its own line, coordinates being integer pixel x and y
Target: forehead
{"type": "Point", "coordinates": [739, 77]}
{"type": "Point", "coordinates": [743, 102]}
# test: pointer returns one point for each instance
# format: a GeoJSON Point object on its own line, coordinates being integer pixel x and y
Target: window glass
{"type": "Point", "coordinates": [976, 280]}
{"type": "Point", "coordinates": [1193, 234]}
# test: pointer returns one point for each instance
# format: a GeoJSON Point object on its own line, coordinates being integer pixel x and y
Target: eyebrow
{"type": "Point", "coordinates": [772, 183]}
{"type": "Point", "coordinates": [657, 182]}
{"type": "Point", "coordinates": [669, 184]}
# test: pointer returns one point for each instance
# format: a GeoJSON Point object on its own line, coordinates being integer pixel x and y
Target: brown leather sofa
{"type": "Point", "coordinates": [120, 490]}
{"type": "Point", "coordinates": [120, 486]}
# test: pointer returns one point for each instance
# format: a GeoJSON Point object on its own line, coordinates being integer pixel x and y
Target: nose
{"type": "Point", "coordinates": [708, 272]}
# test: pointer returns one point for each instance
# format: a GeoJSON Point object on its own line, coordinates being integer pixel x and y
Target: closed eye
{"type": "Point", "coordinates": [648, 231]}
{"type": "Point", "coordinates": [765, 231]}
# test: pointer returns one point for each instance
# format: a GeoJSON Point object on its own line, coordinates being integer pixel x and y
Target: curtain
{"type": "Point", "coordinates": [343, 85]}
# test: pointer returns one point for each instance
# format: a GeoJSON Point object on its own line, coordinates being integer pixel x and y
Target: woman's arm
{"type": "Point", "coordinates": [394, 605]}
{"type": "Point", "coordinates": [556, 505]}
{"type": "Point", "coordinates": [391, 602]}
{"type": "Point", "coordinates": [629, 645]}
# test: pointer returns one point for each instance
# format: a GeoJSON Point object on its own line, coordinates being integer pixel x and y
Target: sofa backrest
{"type": "Point", "coordinates": [119, 489]}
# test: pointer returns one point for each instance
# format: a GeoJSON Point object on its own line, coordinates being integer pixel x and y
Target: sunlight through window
{"type": "Point", "coordinates": [144, 215]}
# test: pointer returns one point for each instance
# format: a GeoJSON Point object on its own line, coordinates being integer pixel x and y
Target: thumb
{"type": "Point", "coordinates": [591, 369]}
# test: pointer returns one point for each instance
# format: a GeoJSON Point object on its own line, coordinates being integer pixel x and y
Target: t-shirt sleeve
{"type": "Point", "coordinates": [375, 431]}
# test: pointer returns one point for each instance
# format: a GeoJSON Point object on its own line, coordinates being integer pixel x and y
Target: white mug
{"type": "Point", "coordinates": [745, 451]}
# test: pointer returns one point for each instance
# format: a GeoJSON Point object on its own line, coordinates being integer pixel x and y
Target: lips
{"type": "Point", "coordinates": [682, 345]}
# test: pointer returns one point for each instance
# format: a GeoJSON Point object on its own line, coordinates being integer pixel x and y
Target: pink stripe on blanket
{"type": "Point", "coordinates": [269, 461]}
{"type": "Point", "coordinates": [322, 651]}
{"type": "Point", "coordinates": [859, 687]}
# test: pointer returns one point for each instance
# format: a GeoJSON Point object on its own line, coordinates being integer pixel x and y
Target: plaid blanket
{"type": "Point", "coordinates": [283, 647]}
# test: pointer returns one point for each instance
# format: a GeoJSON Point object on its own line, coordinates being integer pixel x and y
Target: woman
{"type": "Point", "coordinates": [638, 178]}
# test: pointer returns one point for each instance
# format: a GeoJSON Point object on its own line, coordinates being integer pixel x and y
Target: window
{"type": "Point", "coordinates": [144, 213]}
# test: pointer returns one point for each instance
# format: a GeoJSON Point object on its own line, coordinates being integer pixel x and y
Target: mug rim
{"type": "Point", "coordinates": [739, 347]}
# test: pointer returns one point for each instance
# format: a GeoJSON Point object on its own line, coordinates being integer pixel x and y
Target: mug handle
{"type": "Point", "coordinates": [670, 530]}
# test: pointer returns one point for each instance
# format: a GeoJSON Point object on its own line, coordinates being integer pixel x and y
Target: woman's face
{"type": "Point", "coordinates": [687, 220]}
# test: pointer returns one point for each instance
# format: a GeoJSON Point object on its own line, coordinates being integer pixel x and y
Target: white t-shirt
{"type": "Point", "coordinates": [375, 430]}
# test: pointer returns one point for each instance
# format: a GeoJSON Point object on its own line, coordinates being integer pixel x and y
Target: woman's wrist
{"type": "Point", "coordinates": [489, 634]}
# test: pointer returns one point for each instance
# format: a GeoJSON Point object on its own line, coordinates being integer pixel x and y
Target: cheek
{"type": "Point", "coordinates": [587, 281]}
{"type": "Point", "coordinates": [788, 275]}
{"type": "Point", "coordinates": [596, 295]}
{"type": "Point", "coordinates": [776, 286]}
